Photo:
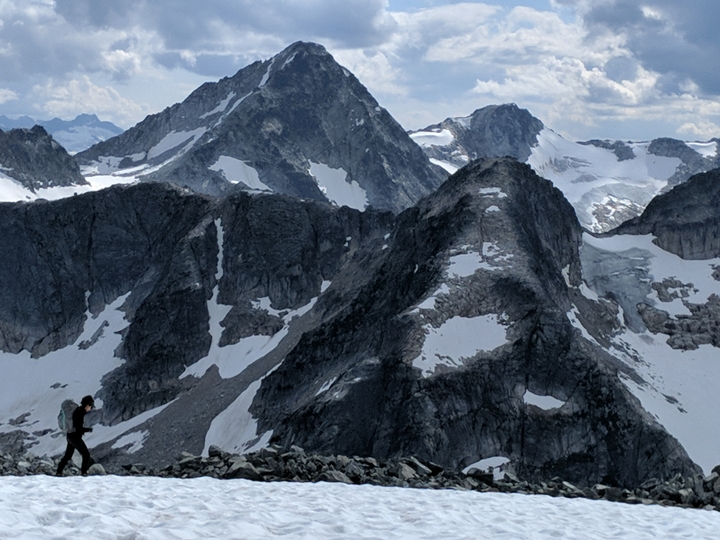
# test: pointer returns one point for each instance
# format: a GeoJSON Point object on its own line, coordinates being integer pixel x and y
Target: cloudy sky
{"type": "Point", "coordinates": [621, 69]}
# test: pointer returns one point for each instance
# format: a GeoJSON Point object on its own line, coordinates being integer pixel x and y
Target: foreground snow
{"type": "Point", "coordinates": [39, 507]}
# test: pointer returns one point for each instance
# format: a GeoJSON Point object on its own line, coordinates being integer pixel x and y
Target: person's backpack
{"type": "Point", "coordinates": [67, 408]}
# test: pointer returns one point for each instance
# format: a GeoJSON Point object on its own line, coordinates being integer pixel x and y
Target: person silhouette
{"type": "Point", "coordinates": [74, 437]}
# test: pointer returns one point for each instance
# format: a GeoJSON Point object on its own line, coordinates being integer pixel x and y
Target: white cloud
{"type": "Point", "coordinates": [7, 95]}
{"type": "Point", "coordinates": [375, 70]}
{"type": "Point", "coordinates": [81, 95]}
{"type": "Point", "coordinates": [576, 64]}
{"type": "Point", "coordinates": [702, 129]}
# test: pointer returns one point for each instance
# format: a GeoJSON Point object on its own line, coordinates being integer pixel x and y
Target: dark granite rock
{"type": "Point", "coordinates": [685, 220]}
{"type": "Point", "coordinates": [493, 131]}
{"type": "Point", "coordinates": [33, 158]}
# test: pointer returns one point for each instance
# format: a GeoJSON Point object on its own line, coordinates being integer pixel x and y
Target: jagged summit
{"type": "Point", "coordinates": [298, 124]}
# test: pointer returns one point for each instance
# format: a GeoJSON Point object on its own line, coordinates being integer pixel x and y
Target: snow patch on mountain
{"type": "Point", "coordinates": [334, 185]}
{"type": "Point", "coordinates": [449, 167]}
{"type": "Point", "coordinates": [545, 403]}
{"type": "Point", "coordinates": [221, 106]}
{"type": "Point", "coordinates": [174, 139]}
{"type": "Point", "coordinates": [705, 149]}
{"type": "Point", "coordinates": [456, 340]}
{"type": "Point", "coordinates": [236, 170]}
{"type": "Point", "coordinates": [433, 138]}
{"type": "Point", "coordinates": [235, 429]}
{"type": "Point", "coordinates": [466, 264]}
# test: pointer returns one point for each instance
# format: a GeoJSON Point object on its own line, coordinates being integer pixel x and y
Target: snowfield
{"type": "Point", "coordinates": [113, 507]}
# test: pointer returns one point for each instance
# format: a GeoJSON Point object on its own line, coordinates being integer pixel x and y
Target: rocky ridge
{"type": "Point", "coordinates": [274, 464]}
{"type": "Point", "coordinates": [74, 135]}
{"type": "Point", "coordinates": [491, 132]}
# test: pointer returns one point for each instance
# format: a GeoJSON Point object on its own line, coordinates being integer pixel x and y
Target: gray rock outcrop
{"type": "Point", "coordinates": [685, 220]}
{"type": "Point", "coordinates": [621, 150]}
{"type": "Point", "coordinates": [493, 131]}
{"type": "Point", "coordinates": [33, 158]}
{"type": "Point", "coordinates": [692, 161]}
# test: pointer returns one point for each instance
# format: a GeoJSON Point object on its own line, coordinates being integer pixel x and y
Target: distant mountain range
{"type": "Point", "coordinates": [73, 135]}
{"type": "Point", "coordinates": [289, 267]}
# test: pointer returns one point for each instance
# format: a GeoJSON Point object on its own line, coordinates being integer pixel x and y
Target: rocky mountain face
{"type": "Point", "coordinates": [684, 221]}
{"type": "Point", "coordinates": [73, 135]}
{"type": "Point", "coordinates": [35, 160]}
{"type": "Point", "coordinates": [448, 332]}
{"type": "Point", "coordinates": [493, 131]}
{"type": "Point", "coordinates": [297, 124]}
{"type": "Point", "coordinates": [607, 182]}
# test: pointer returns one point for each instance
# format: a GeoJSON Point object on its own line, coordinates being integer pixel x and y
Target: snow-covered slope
{"type": "Point", "coordinates": [678, 386]}
{"type": "Point", "coordinates": [607, 182]}
{"type": "Point", "coordinates": [39, 507]}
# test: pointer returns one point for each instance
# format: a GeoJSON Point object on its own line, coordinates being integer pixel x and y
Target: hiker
{"type": "Point", "coordinates": [74, 437]}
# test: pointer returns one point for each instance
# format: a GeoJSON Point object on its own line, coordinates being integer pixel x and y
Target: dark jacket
{"type": "Point", "coordinates": [78, 421]}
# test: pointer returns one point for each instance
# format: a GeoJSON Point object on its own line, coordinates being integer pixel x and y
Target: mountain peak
{"type": "Point", "coordinates": [298, 124]}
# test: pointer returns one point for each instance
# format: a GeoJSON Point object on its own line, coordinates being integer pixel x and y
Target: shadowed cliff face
{"type": "Point", "coordinates": [260, 318]}
{"type": "Point", "coordinates": [686, 220]}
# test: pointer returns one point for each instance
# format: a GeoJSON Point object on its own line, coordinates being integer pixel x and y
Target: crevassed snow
{"type": "Point", "coordinates": [433, 138]}
{"type": "Point", "coordinates": [37, 386]}
{"type": "Point", "coordinates": [457, 339]}
{"type": "Point", "coordinates": [174, 139]}
{"type": "Point", "coordinates": [221, 106]}
{"type": "Point", "coordinates": [545, 403]}
{"type": "Point", "coordinates": [148, 508]}
{"type": "Point", "coordinates": [587, 174]}
{"type": "Point", "coordinates": [235, 170]}
{"type": "Point", "coordinates": [334, 185]}
{"type": "Point", "coordinates": [680, 386]}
